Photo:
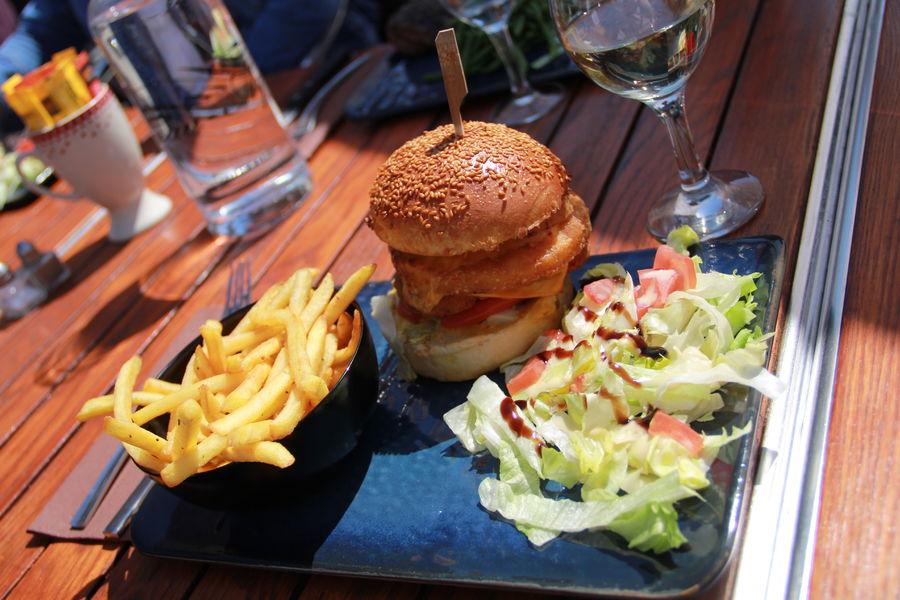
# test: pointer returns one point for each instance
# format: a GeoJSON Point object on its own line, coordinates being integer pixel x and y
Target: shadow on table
{"type": "Point", "coordinates": [132, 307]}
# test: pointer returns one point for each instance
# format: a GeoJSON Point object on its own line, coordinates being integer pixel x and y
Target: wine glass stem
{"type": "Point", "coordinates": [691, 171]}
{"type": "Point", "coordinates": [512, 58]}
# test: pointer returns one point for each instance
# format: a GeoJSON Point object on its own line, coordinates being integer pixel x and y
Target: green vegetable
{"type": "Point", "coordinates": [10, 181]}
{"type": "Point", "coordinates": [682, 239]}
{"type": "Point", "coordinates": [601, 443]}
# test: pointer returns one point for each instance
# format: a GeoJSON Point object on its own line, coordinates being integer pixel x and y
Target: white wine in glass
{"type": "Point", "coordinates": [492, 16]}
{"type": "Point", "coordinates": [646, 50]}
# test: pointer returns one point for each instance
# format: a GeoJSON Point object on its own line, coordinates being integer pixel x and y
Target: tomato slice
{"type": "Point", "coordinates": [669, 426]}
{"type": "Point", "coordinates": [477, 313]}
{"type": "Point", "coordinates": [408, 312]}
{"type": "Point", "coordinates": [600, 291]}
{"type": "Point", "coordinates": [668, 258]}
{"type": "Point", "coordinates": [527, 376]}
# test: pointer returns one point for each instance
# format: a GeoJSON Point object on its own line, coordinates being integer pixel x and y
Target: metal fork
{"type": "Point", "coordinates": [237, 295]}
{"type": "Point", "coordinates": [239, 287]}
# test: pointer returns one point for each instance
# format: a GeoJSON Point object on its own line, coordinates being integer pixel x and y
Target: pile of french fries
{"type": "Point", "coordinates": [242, 391]}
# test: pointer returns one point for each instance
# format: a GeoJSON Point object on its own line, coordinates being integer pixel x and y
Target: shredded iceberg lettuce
{"type": "Point", "coordinates": [589, 421]}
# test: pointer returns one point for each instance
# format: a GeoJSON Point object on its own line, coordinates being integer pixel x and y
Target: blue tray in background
{"type": "Point", "coordinates": [406, 84]}
{"type": "Point", "coordinates": [404, 504]}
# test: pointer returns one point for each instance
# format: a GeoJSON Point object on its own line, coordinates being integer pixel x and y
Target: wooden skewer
{"type": "Point", "coordinates": [454, 77]}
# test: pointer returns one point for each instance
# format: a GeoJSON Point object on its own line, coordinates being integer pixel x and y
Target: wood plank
{"type": "Point", "coordinates": [133, 573]}
{"type": "Point", "coordinates": [248, 584]}
{"type": "Point", "coordinates": [857, 543]}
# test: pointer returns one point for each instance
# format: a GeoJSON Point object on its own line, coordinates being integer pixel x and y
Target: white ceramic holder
{"type": "Point", "coordinates": [96, 151]}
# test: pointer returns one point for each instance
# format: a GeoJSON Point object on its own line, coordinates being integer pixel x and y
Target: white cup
{"type": "Point", "coordinates": [96, 151]}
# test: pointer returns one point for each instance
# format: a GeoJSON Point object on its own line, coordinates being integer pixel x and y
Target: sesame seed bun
{"type": "Point", "coordinates": [440, 195]}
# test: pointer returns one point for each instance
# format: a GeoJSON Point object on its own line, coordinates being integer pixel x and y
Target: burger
{"type": "Point", "coordinates": [483, 230]}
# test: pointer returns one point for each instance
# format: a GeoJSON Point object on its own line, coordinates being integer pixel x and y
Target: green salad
{"type": "Point", "coordinates": [603, 407]}
{"type": "Point", "coordinates": [10, 181]}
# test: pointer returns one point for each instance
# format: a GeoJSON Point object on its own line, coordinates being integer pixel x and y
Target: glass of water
{"type": "Point", "coordinates": [185, 66]}
{"type": "Point", "coordinates": [492, 17]}
{"type": "Point", "coordinates": [646, 50]}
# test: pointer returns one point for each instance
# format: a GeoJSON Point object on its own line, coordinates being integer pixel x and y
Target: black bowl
{"type": "Point", "coordinates": [324, 436]}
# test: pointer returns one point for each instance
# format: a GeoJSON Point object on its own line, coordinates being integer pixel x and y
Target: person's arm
{"type": "Point", "coordinates": [45, 27]}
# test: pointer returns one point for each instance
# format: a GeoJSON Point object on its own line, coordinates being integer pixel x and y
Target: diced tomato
{"type": "Point", "coordinates": [669, 426]}
{"type": "Point", "coordinates": [578, 384]}
{"type": "Point", "coordinates": [666, 281]}
{"type": "Point", "coordinates": [408, 312]}
{"type": "Point", "coordinates": [477, 313]}
{"type": "Point", "coordinates": [527, 376]}
{"type": "Point", "coordinates": [668, 258]}
{"type": "Point", "coordinates": [656, 285]}
{"type": "Point", "coordinates": [600, 291]}
{"type": "Point", "coordinates": [556, 334]}
{"type": "Point", "coordinates": [645, 297]}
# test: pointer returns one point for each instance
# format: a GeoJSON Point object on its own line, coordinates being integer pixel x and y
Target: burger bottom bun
{"type": "Point", "coordinates": [467, 352]}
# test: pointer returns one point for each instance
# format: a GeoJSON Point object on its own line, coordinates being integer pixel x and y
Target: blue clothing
{"type": "Point", "coordinates": [278, 33]}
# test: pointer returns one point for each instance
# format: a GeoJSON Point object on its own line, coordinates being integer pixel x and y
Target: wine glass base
{"type": "Point", "coordinates": [528, 108]}
{"type": "Point", "coordinates": [728, 200]}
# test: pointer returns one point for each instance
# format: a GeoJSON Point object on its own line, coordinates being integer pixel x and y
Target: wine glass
{"type": "Point", "coordinates": [646, 50]}
{"type": "Point", "coordinates": [492, 17]}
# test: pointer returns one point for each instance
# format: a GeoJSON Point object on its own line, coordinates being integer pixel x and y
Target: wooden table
{"type": "Point", "coordinates": [757, 102]}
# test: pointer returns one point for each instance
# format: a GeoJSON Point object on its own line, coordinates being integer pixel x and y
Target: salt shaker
{"type": "Point", "coordinates": [19, 295]}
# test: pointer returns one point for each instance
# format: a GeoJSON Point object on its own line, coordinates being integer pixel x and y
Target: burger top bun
{"type": "Point", "coordinates": [440, 195]}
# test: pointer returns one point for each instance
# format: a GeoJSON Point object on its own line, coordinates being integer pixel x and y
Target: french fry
{"type": "Point", "coordinates": [344, 296]}
{"type": "Point", "coordinates": [187, 428]}
{"type": "Point", "coordinates": [315, 344]}
{"type": "Point", "coordinates": [301, 290]}
{"type": "Point", "coordinates": [258, 431]}
{"type": "Point", "coordinates": [315, 389]}
{"type": "Point", "coordinates": [137, 436]}
{"type": "Point", "coordinates": [243, 390]}
{"type": "Point", "coordinates": [190, 373]}
{"type": "Point", "coordinates": [145, 459]}
{"type": "Point", "coordinates": [271, 453]}
{"type": "Point", "coordinates": [211, 332]}
{"type": "Point", "coordinates": [158, 386]}
{"type": "Point", "coordinates": [190, 462]}
{"type": "Point", "coordinates": [290, 414]}
{"type": "Point", "coordinates": [246, 322]}
{"type": "Point", "coordinates": [238, 342]}
{"type": "Point", "coordinates": [103, 405]}
{"type": "Point", "coordinates": [295, 350]}
{"type": "Point", "coordinates": [343, 355]}
{"type": "Point", "coordinates": [124, 387]}
{"type": "Point", "coordinates": [203, 369]}
{"type": "Point", "coordinates": [224, 382]}
{"type": "Point", "coordinates": [262, 352]}
{"type": "Point", "coordinates": [343, 329]}
{"type": "Point", "coordinates": [249, 386]}
{"type": "Point", "coordinates": [306, 395]}
{"type": "Point", "coordinates": [329, 348]}
{"type": "Point", "coordinates": [317, 302]}
{"type": "Point", "coordinates": [261, 406]}
{"type": "Point", "coordinates": [211, 404]}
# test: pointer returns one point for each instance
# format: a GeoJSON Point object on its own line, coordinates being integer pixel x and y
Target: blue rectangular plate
{"type": "Point", "coordinates": [404, 504]}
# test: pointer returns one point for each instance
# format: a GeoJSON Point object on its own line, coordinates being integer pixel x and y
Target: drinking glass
{"type": "Point", "coordinates": [646, 50]}
{"type": "Point", "coordinates": [492, 17]}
